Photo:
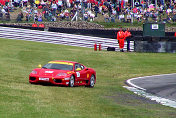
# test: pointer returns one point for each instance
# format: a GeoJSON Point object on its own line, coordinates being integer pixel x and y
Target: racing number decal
{"type": "Point", "coordinates": [78, 74]}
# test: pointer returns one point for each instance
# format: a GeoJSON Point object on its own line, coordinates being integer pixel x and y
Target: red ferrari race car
{"type": "Point", "coordinates": [65, 73]}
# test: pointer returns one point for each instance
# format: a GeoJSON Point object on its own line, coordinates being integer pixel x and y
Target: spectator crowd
{"type": "Point", "coordinates": [87, 10]}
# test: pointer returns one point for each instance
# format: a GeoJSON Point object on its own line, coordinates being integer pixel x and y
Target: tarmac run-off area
{"type": "Point", "coordinates": [160, 88]}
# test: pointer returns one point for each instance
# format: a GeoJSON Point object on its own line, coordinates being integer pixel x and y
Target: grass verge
{"type": "Point", "coordinates": [19, 99]}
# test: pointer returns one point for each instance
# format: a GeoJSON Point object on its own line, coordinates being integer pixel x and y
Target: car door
{"type": "Point", "coordinates": [80, 74]}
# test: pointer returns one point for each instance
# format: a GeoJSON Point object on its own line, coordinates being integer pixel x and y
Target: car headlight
{"type": "Point", "coordinates": [66, 78]}
{"type": "Point", "coordinates": [61, 74]}
{"type": "Point", "coordinates": [34, 72]}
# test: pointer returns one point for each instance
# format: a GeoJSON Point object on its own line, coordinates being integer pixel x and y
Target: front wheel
{"type": "Point", "coordinates": [92, 81]}
{"type": "Point", "coordinates": [72, 81]}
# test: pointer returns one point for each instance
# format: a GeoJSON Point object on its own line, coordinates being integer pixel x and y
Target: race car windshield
{"type": "Point", "coordinates": [58, 66]}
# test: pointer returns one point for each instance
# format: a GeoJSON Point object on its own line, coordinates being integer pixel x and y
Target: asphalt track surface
{"type": "Point", "coordinates": [61, 38]}
{"type": "Point", "coordinates": [160, 85]}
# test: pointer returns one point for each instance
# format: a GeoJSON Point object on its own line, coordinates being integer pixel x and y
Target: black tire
{"type": "Point", "coordinates": [92, 81]}
{"type": "Point", "coordinates": [72, 81]}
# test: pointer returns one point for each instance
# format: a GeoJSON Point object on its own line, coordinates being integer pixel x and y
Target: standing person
{"type": "Point", "coordinates": [127, 35]}
{"type": "Point", "coordinates": [118, 11]}
{"type": "Point", "coordinates": [96, 9]}
{"type": "Point", "coordinates": [121, 38]}
{"type": "Point", "coordinates": [54, 8]}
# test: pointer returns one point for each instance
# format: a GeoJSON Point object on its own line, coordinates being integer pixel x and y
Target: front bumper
{"type": "Point", "coordinates": [51, 80]}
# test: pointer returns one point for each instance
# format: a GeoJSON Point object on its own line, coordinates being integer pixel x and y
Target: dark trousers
{"type": "Point", "coordinates": [128, 44]}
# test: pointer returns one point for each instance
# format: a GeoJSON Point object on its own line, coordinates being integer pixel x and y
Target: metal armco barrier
{"type": "Point", "coordinates": [60, 38]}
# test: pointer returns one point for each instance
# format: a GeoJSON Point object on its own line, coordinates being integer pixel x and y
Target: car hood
{"type": "Point", "coordinates": [53, 72]}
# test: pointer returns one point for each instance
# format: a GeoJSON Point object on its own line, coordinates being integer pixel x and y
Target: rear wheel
{"type": "Point", "coordinates": [72, 81]}
{"type": "Point", "coordinates": [92, 81]}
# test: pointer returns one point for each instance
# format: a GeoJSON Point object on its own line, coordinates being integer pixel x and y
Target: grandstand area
{"type": "Point", "coordinates": [87, 10]}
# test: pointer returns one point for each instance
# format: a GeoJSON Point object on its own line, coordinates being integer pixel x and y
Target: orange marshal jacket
{"type": "Point", "coordinates": [127, 34]}
{"type": "Point", "coordinates": [121, 37]}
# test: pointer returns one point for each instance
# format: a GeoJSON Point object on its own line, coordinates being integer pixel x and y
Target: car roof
{"type": "Point", "coordinates": [62, 61]}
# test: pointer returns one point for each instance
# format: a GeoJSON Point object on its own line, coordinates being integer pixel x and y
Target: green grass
{"type": "Point", "coordinates": [128, 25]}
{"type": "Point", "coordinates": [19, 99]}
{"type": "Point", "coordinates": [121, 24]}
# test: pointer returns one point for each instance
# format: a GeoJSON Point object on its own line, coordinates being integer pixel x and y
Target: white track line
{"type": "Point", "coordinates": [141, 91]}
{"type": "Point", "coordinates": [133, 85]}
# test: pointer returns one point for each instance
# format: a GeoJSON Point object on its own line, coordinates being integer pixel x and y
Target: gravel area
{"type": "Point", "coordinates": [84, 25]}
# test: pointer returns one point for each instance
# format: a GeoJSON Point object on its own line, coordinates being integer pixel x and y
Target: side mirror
{"type": "Point", "coordinates": [78, 69]}
{"type": "Point", "coordinates": [40, 66]}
